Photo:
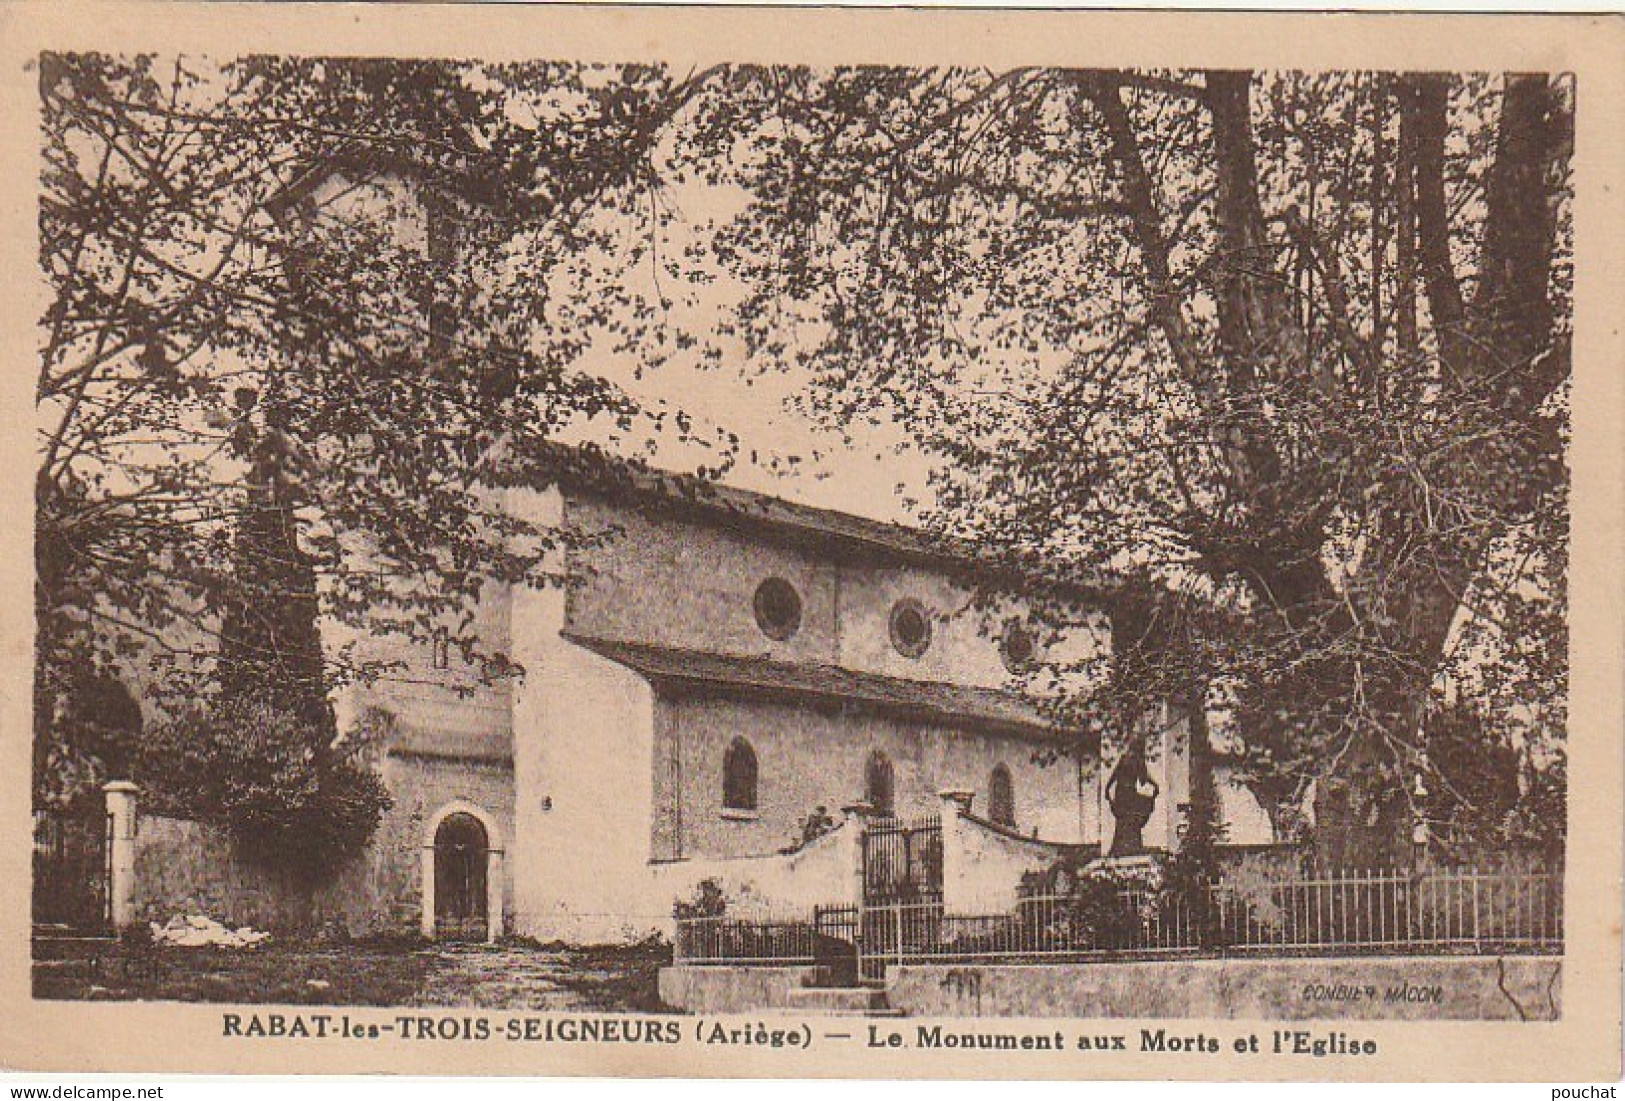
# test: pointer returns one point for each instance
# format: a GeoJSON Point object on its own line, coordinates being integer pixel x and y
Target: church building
{"type": "Point", "coordinates": [724, 668]}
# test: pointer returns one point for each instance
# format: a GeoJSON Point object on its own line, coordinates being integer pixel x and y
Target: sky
{"type": "Point", "coordinates": [874, 475]}
{"type": "Point", "coordinates": [868, 470]}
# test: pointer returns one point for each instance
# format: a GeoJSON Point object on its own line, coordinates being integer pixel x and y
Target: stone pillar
{"type": "Point", "coordinates": [854, 820]}
{"type": "Point", "coordinates": [121, 809]}
{"type": "Point", "coordinates": [493, 895]}
{"type": "Point", "coordinates": [1421, 833]}
{"type": "Point", "coordinates": [427, 862]}
{"type": "Point", "coordinates": [955, 803]}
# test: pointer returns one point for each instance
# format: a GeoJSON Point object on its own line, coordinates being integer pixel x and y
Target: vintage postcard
{"type": "Point", "coordinates": [811, 542]}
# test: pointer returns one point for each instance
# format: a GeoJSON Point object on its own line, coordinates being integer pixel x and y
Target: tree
{"type": "Point", "coordinates": [270, 638]}
{"type": "Point", "coordinates": [1280, 360]}
{"type": "Point", "coordinates": [378, 255]}
{"type": "Point", "coordinates": [1276, 363]}
{"type": "Point", "coordinates": [261, 754]}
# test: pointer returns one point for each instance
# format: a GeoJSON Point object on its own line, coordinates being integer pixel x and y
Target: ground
{"type": "Point", "coordinates": [401, 973]}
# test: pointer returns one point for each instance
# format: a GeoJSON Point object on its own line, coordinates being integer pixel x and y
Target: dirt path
{"type": "Point", "coordinates": [483, 976]}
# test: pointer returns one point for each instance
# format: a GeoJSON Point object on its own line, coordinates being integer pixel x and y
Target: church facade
{"type": "Point", "coordinates": [725, 671]}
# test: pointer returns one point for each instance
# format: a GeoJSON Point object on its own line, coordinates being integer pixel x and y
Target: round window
{"type": "Point", "coordinates": [1016, 648]}
{"type": "Point", "coordinates": [910, 628]}
{"type": "Point", "coordinates": [778, 608]}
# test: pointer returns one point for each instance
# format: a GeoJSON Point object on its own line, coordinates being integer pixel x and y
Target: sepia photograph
{"type": "Point", "coordinates": [897, 547]}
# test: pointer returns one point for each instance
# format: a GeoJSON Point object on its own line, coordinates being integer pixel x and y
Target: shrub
{"type": "Point", "coordinates": [1187, 899]}
{"type": "Point", "coordinates": [1068, 907]}
{"type": "Point", "coordinates": [287, 800]}
{"type": "Point", "coordinates": [707, 901]}
{"type": "Point", "coordinates": [815, 825]}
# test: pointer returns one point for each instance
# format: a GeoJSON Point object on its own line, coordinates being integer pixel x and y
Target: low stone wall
{"type": "Point", "coordinates": [821, 873]}
{"type": "Point", "coordinates": [730, 989]}
{"type": "Point", "coordinates": [186, 868]}
{"type": "Point", "coordinates": [983, 864]}
{"type": "Point", "coordinates": [1420, 988]}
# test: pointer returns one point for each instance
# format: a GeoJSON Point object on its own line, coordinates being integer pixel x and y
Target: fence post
{"type": "Point", "coordinates": [121, 810]}
{"type": "Point", "coordinates": [855, 824]}
{"type": "Point", "coordinates": [1475, 910]}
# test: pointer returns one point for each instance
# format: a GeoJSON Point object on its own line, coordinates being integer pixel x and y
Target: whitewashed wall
{"type": "Point", "coordinates": [822, 873]}
{"type": "Point", "coordinates": [982, 866]}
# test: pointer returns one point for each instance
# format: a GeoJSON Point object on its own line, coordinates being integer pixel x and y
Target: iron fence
{"type": "Point", "coordinates": [1464, 909]}
{"type": "Point", "coordinates": [72, 867]}
{"type": "Point", "coordinates": [1334, 913]}
{"type": "Point", "coordinates": [826, 938]}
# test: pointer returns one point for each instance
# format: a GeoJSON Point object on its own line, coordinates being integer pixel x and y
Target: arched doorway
{"type": "Point", "coordinates": [462, 857]}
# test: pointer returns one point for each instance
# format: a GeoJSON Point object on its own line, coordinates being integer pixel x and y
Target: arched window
{"type": "Point", "coordinates": [1001, 797]}
{"type": "Point", "coordinates": [879, 790]}
{"type": "Point", "coordinates": [739, 776]}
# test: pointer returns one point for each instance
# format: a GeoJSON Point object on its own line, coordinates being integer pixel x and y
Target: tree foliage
{"type": "Point", "coordinates": [387, 256]}
{"type": "Point", "coordinates": [1280, 359]}
{"type": "Point", "coordinates": [248, 764]}
{"type": "Point", "coordinates": [1277, 362]}
{"type": "Point", "coordinates": [261, 755]}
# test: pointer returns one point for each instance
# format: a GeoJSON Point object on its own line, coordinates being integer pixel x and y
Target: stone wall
{"type": "Point", "coordinates": [823, 873]}
{"type": "Point", "coordinates": [189, 868]}
{"type": "Point", "coordinates": [674, 582]}
{"type": "Point", "coordinates": [982, 865]}
{"type": "Point", "coordinates": [706, 576]}
{"type": "Point", "coordinates": [730, 989]}
{"type": "Point", "coordinates": [184, 867]}
{"type": "Point", "coordinates": [463, 712]}
{"type": "Point", "coordinates": [1423, 988]}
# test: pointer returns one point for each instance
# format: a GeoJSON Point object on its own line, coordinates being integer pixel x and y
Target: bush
{"type": "Point", "coordinates": [288, 801]}
{"type": "Point", "coordinates": [1188, 899]}
{"type": "Point", "coordinates": [1065, 907]}
{"type": "Point", "coordinates": [707, 901]}
{"type": "Point", "coordinates": [815, 825]}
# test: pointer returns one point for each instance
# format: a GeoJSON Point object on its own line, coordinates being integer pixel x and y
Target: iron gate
{"type": "Point", "coordinates": [902, 861]}
{"type": "Point", "coordinates": [902, 891]}
{"type": "Point", "coordinates": [73, 855]}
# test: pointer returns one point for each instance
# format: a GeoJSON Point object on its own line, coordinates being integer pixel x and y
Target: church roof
{"type": "Point", "coordinates": [591, 470]}
{"type": "Point", "coordinates": [946, 704]}
{"type": "Point", "coordinates": [412, 740]}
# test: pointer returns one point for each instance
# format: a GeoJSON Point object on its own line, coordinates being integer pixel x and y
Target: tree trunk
{"type": "Point", "coordinates": [1500, 352]}
{"type": "Point", "coordinates": [1496, 351]}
